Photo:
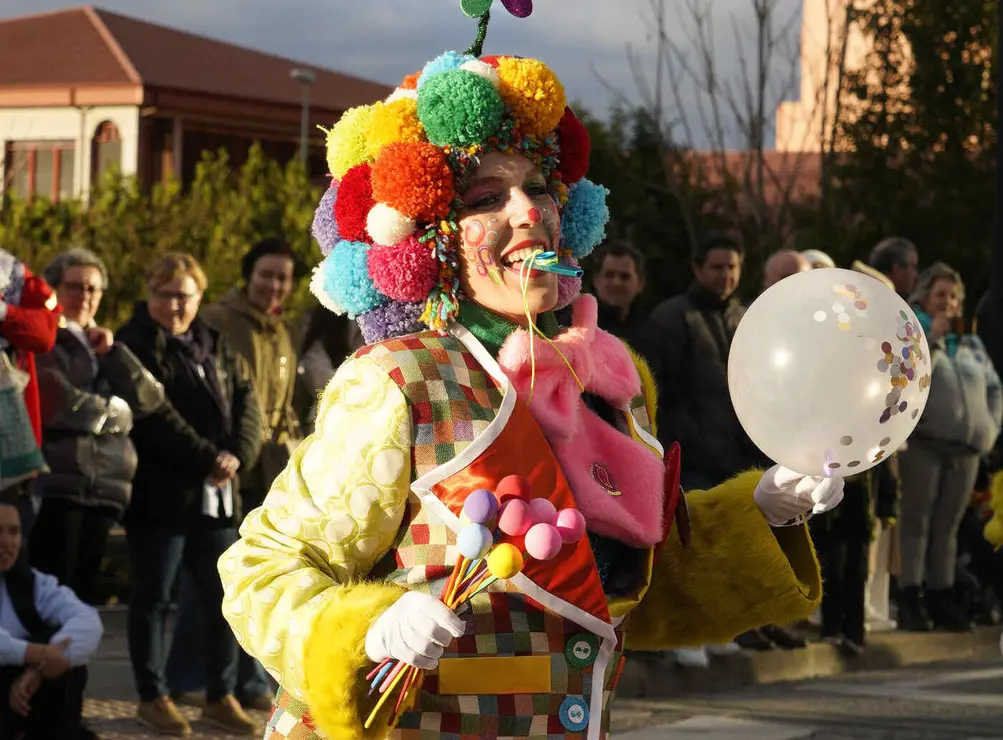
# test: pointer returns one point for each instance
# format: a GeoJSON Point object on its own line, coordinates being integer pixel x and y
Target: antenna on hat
{"type": "Point", "coordinates": [477, 47]}
{"type": "Point", "coordinates": [481, 10]}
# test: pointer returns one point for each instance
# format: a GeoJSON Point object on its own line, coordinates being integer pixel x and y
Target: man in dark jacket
{"type": "Point", "coordinates": [618, 282]}
{"type": "Point", "coordinates": [689, 340]}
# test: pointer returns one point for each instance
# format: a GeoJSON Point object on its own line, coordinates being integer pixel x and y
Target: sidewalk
{"type": "Point", "coordinates": [111, 699]}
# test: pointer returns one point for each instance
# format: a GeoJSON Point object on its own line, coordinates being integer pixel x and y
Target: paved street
{"type": "Point", "coordinates": [960, 701]}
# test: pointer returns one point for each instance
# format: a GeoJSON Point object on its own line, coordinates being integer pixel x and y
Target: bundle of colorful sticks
{"type": "Point", "coordinates": [483, 559]}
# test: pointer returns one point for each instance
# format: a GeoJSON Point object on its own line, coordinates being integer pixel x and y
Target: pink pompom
{"type": "Point", "coordinates": [544, 512]}
{"type": "Point", "coordinates": [571, 525]}
{"type": "Point", "coordinates": [543, 541]}
{"type": "Point", "coordinates": [515, 518]}
{"type": "Point", "coordinates": [404, 272]}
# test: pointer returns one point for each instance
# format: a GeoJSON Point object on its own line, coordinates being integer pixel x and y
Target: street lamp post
{"type": "Point", "coordinates": [305, 77]}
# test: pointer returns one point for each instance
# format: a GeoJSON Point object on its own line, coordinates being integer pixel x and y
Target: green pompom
{"type": "Point", "coordinates": [459, 108]}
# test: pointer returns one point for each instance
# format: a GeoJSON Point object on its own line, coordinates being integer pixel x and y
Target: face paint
{"type": "Point", "coordinates": [473, 235]}
{"type": "Point", "coordinates": [534, 215]}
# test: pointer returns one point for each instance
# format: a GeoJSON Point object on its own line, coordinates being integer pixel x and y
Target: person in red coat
{"type": "Point", "coordinates": [29, 317]}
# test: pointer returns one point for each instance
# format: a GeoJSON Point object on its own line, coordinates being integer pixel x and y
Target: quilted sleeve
{"type": "Point", "coordinates": [329, 517]}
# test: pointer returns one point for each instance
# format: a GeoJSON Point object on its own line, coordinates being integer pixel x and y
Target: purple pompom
{"type": "Point", "coordinates": [568, 288]}
{"type": "Point", "coordinates": [325, 228]}
{"type": "Point", "coordinates": [392, 319]}
{"type": "Point", "coordinates": [518, 8]}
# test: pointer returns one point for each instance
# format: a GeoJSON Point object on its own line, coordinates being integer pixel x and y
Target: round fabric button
{"type": "Point", "coordinates": [581, 650]}
{"type": "Point", "coordinates": [574, 714]}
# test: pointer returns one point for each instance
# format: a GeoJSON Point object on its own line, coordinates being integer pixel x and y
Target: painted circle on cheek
{"type": "Point", "coordinates": [492, 238]}
{"type": "Point", "coordinates": [473, 234]}
{"type": "Point", "coordinates": [534, 215]}
{"type": "Point", "coordinates": [484, 256]}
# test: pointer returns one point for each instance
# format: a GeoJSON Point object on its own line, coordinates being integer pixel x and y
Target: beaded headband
{"type": "Point", "coordinates": [388, 224]}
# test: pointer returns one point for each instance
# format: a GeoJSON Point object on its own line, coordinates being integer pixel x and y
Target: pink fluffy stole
{"type": "Point", "coordinates": [618, 483]}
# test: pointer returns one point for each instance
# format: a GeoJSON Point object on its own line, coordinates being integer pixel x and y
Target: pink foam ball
{"type": "Point", "coordinates": [515, 518]}
{"type": "Point", "coordinates": [544, 512]}
{"type": "Point", "coordinates": [571, 525]}
{"type": "Point", "coordinates": [543, 541]}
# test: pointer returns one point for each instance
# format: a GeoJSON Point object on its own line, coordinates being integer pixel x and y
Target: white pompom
{"type": "Point", "coordinates": [483, 69]}
{"type": "Point", "coordinates": [400, 94]}
{"type": "Point", "coordinates": [388, 226]}
{"type": "Point", "coordinates": [317, 288]}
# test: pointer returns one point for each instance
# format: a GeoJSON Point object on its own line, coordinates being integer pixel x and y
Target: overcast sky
{"type": "Point", "coordinates": [385, 39]}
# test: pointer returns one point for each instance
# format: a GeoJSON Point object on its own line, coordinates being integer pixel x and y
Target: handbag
{"type": "Point", "coordinates": [20, 457]}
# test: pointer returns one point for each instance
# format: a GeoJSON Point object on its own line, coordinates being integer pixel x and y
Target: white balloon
{"type": "Point", "coordinates": [829, 372]}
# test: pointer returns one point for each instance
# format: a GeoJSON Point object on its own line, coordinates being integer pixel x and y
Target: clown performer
{"type": "Point", "coordinates": [445, 197]}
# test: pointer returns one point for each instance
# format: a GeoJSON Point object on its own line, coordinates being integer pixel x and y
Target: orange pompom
{"type": "Point", "coordinates": [410, 82]}
{"type": "Point", "coordinates": [415, 179]}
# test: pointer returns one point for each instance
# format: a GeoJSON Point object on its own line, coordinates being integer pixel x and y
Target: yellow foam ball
{"type": "Point", "coordinates": [504, 561]}
{"type": "Point", "coordinates": [393, 122]}
{"type": "Point", "coordinates": [533, 93]}
{"type": "Point", "coordinates": [346, 141]}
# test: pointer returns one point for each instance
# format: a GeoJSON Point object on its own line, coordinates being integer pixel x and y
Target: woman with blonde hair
{"type": "Point", "coordinates": [958, 426]}
{"type": "Point", "coordinates": [185, 497]}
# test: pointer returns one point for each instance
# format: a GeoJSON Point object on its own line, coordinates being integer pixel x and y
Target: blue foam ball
{"type": "Point", "coordinates": [443, 63]}
{"type": "Point", "coordinates": [345, 277]}
{"type": "Point", "coordinates": [474, 541]}
{"type": "Point", "coordinates": [583, 222]}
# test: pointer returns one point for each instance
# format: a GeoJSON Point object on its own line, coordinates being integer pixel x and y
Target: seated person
{"type": "Point", "coordinates": [47, 635]}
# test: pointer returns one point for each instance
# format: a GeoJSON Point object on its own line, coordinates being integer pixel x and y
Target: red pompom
{"type": "Point", "coordinates": [513, 486]}
{"type": "Point", "coordinates": [355, 198]}
{"type": "Point", "coordinates": [404, 272]}
{"type": "Point", "coordinates": [575, 146]}
{"type": "Point", "coordinates": [492, 60]}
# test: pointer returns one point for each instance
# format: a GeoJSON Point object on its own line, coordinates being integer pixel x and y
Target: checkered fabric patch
{"type": "Point", "coordinates": [290, 720]}
{"type": "Point", "coordinates": [452, 398]}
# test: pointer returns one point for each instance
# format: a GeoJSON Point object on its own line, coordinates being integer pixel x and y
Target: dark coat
{"type": "Point", "coordinates": [179, 444]}
{"type": "Point", "coordinates": [687, 344]}
{"type": "Point", "coordinates": [88, 406]}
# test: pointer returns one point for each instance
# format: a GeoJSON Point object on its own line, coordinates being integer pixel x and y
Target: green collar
{"type": "Point", "coordinates": [492, 330]}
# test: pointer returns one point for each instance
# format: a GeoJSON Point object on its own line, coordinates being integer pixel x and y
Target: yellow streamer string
{"type": "Point", "coordinates": [524, 271]}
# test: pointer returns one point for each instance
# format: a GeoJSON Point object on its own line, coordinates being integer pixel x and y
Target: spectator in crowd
{"type": "Point", "coordinates": [29, 316]}
{"type": "Point", "coordinates": [618, 282]}
{"type": "Point", "coordinates": [47, 636]}
{"type": "Point", "coordinates": [91, 388]}
{"type": "Point", "coordinates": [688, 340]}
{"type": "Point", "coordinates": [783, 264]}
{"type": "Point", "coordinates": [959, 425]}
{"type": "Point", "coordinates": [818, 259]}
{"type": "Point", "coordinates": [249, 319]}
{"type": "Point", "coordinates": [897, 258]}
{"type": "Point", "coordinates": [328, 341]}
{"type": "Point", "coordinates": [185, 497]}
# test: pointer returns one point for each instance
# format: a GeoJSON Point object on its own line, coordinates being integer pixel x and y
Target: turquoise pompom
{"type": "Point", "coordinates": [445, 62]}
{"type": "Point", "coordinates": [583, 222]}
{"type": "Point", "coordinates": [345, 278]}
{"type": "Point", "coordinates": [459, 108]}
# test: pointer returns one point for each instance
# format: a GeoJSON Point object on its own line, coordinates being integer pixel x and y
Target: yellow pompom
{"type": "Point", "coordinates": [504, 561]}
{"type": "Point", "coordinates": [346, 141]}
{"type": "Point", "coordinates": [393, 122]}
{"type": "Point", "coordinates": [994, 531]}
{"type": "Point", "coordinates": [533, 93]}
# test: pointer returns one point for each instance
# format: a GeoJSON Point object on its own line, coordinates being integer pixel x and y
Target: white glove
{"type": "Point", "coordinates": [415, 630]}
{"type": "Point", "coordinates": [786, 497]}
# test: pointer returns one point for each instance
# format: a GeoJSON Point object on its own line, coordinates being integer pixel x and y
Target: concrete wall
{"type": "Point", "coordinates": [71, 124]}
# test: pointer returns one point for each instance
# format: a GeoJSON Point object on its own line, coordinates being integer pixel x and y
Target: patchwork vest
{"type": "Point", "coordinates": [542, 651]}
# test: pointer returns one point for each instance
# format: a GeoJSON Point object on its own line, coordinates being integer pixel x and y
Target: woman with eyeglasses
{"type": "Point", "coordinates": [91, 388]}
{"type": "Point", "coordinates": [185, 500]}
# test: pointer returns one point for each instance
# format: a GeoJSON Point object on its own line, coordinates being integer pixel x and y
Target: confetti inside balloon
{"type": "Point", "coordinates": [480, 506]}
{"type": "Point", "coordinates": [505, 561]}
{"type": "Point", "coordinates": [543, 541]}
{"type": "Point", "coordinates": [474, 541]}
{"type": "Point", "coordinates": [804, 374]}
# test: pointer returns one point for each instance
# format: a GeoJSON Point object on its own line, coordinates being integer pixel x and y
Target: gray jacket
{"type": "Point", "coordinates": [88, 406]}
{"type": "Point", "coordinates": [963, 413]}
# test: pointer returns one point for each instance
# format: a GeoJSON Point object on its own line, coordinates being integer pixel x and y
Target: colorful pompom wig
{"type": "Point", "coordinates": [389, 228]}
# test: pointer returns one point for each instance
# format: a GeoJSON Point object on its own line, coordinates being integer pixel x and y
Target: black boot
{"type": "Point", "coordinates": [912, 615]}
{"type": "Point", "coordinates": [945, 612]}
